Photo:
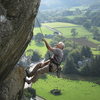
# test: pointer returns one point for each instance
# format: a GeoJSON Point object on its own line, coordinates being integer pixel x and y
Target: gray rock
{"type": "Point", "coordinates": [16, 22]}
{"type": "Point", "coordinates": [12, 87]}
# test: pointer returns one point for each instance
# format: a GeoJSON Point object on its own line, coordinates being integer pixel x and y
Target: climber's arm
{"type": "Point", "coordinates": [47, 45]}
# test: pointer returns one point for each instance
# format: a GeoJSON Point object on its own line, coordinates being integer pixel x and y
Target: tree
{"type": "Point", "coordinates": [66, 52]}
{"type": "Point", "coordinates": [76, 55]}
{"type": "Point", "coordinates": [87, 25]}
{"type": "Point", "coordinates": [85, 70]}
{"type": "Point", "coordinates": [96, 33]}
{"type": "Point", "coordinates": [79, 20]}
{"type": "Point", "coordinates": [39, 37]}
{"type": "Point", "coordinates": [36, 56]}
{"type": "Point", "coordinates": [70, 66]}
{"type": "Point", "coordinates": [95, 20]}
{"type": "Point", "coordinates": [74, 33]}
{"type": "Point", "coordinates": [86, 51]}
{"type": "Point", "coordinates": [95, 66]}
{"type": "Point", "coordinates": [78, 11]}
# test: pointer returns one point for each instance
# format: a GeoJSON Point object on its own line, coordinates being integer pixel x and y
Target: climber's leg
{"type": "Point", "coordinates": [40, 65]}
{"type": "Point", "coordinates": [45, 63]}
{"type": "Point", "coordinates": [30, 74]}
{"type": "Point", "coordinates": [40, 71]}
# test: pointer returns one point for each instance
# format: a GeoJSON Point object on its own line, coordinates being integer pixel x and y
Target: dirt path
{"type": "Point", "coordinates": [52, 29]}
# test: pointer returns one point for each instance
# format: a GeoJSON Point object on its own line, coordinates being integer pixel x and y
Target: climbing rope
{"type": "Point", "coordinates": [39, 24]}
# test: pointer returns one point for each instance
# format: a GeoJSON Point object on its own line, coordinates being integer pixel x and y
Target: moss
{"type": "Point", "coordinates": [30, 93]}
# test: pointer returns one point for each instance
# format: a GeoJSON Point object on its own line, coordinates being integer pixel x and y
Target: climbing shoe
{"type": "Point", "coordinates": [27, 72]}
{"type": "Point", "coordinates": [27, 81]}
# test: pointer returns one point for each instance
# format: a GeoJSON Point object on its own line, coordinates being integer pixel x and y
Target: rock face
{"type": "Point", "coordinates": [16, 22]}
{"type": "Point", "coordinates": [12, 87]}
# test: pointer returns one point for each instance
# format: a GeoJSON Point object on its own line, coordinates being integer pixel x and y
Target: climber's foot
{"type": "Point", "coordinates": [27, 72]}
{"type": "Point", "coordinates": [28, 81]}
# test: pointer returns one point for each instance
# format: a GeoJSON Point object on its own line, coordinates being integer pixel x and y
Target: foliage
{"type": "Point", "coordinates": [39, 37]}
{"type": "Point", "coordinates": [95, 66]}
{"type": "Point", "coordinates": [79, 20]}
{"type": "Point", "coordinates": [87, 25]}
{"type": "Point", "coordinates": [91, 68]}
{"type": "Point", "coordinates": [66, 52]}
{"type": "Point", "coordinates": [69, 67]}
{"type": "Point", "coordinates": [96, 33]}
{"type": "Point", "coordinates": [79, 61]}
{"type": "Point", "coordinates": [94, 17]}
{"type": "Point", "coordinates": [84, 70]}
{"type": "Point", "coordinates": [29, 93]}
{"type": "Point", "coordinates": [74, 32]}
{"type": "Point", "coordinates": [76, 55]}
{"type": "Point", "coordinates": [86, 52]}
{"type": "Point", "coordinates": [36, 56]}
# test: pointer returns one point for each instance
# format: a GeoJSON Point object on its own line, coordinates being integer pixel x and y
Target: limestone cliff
{"type": "Point", "coordinates": [12, 87]}
{"type": "Point", "coordinates": [16, 22]}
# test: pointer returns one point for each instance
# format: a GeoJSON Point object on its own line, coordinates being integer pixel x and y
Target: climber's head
{"type": "Point", "coordinates": [60, 45]}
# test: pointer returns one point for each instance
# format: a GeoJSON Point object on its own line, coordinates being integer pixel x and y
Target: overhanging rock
{"type": "Point", "coordinates": [16, 22]}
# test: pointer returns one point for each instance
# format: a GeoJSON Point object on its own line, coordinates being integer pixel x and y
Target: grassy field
{"type": "Point", "coordinates": [71, 90]}
{"type": "Point", "coordinates": [59, 24]}
{"type": "Point", "coordinates": [44, 30]}
{"type": "Point", "coordinates": [72, 17]}
{"type": "Point", "coordinates": [65, 28]}
{"type": "Point", "coordinates": [95, 52]}
{"type": "Point", "coordinates": [95, 41]}
{"type": "Point", "coordinates": [81, 31]}
{"type": "Point", "coordinates": [40, 47]}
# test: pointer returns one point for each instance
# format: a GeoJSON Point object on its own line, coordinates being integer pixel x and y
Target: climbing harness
{"type": "Point", "coordinates": [58, 65]}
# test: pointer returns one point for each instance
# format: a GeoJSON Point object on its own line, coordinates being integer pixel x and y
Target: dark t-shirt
{"type": "Point", "coordinates": [57, 55]}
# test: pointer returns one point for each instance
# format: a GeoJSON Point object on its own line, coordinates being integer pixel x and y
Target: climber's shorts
{"type": "Point", "coordinates": [52, 67]}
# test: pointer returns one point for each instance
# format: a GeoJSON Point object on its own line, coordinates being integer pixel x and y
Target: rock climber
{"type": "Point", "coordinates": [51, 65]}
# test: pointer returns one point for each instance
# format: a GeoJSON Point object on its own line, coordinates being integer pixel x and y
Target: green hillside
{"type": "Point", "coordinates": [71, 90]}
{"type": "Point", "coordinates": [65, 28]}
{"type": "Point", "coordinates": [59, 24]}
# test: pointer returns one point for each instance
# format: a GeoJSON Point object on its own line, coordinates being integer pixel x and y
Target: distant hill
{"type": "Point", "coordinates": [52, 4]}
